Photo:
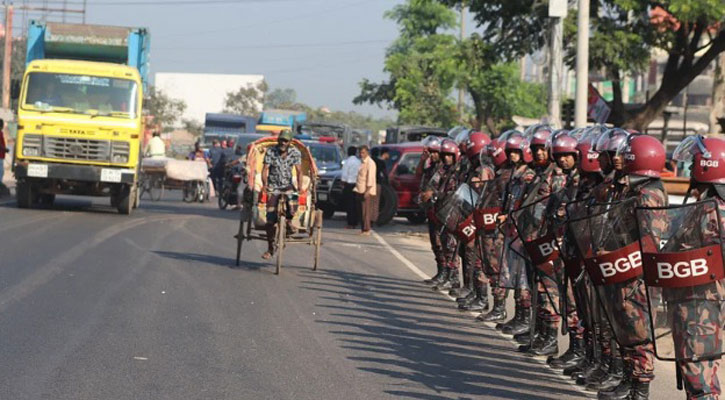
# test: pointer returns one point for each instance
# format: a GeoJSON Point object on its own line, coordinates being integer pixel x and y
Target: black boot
{"type": "Point", "coordinates": [549, 344]}
{"type": "Point", "coordinates": [589, 368]}
{"type": "Point", "coordinates": [479, 302]}
{"type": "Point", "coordinates": [640, 391]}
{"type": "Point", "coordinates": [467, 299]}
{"type": "Point", "coordinates": [525, 337]}
{"type": "Point", "coordinates": [439, 271]}
{"type": "Point", "coordinates": [571, 356]}
{"type": "Point", "coordinates": [612, 379]}
{"type": "Point", "coordinates": [539, 338]}
{"type": "Point", "coordinates": [449, 283]}
{"type": "Point", "coordinates": [439, 277]}
{"type": "Point", "coordinates": [467, 284]}
{"type": "Point", "coordinates": [506, 326]}
{"type": "Point", "coordinates": [596, 376]}
{"type": "Point", "coordinates": [497, 313]}
{"type": "Point", "coordinates": [621, 391]}
{"type": "Point", "coordinates": [524, 325]}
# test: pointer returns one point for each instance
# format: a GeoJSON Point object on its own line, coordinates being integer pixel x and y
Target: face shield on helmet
{"type": "Point", "coordinates": [453, 132]}
{"type": "Point", "coordinates": [538, 139]}
{"type": "Point", "coordinates": [703, 158]}
{"type": "Point", "coordinates": [432, 143]}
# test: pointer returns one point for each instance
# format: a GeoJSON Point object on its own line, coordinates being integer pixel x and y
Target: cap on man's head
{"type": "Point", "coordinates": [286, 135]}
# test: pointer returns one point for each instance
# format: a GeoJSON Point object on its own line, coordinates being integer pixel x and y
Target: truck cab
{"type": "Point", "coordinates": [79, 119]}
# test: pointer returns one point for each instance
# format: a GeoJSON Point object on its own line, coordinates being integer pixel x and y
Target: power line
{"type": "Point", "coordinates": [278, 45]}
{"type": "Point", "coordinates": [180, 2]}
{"type": "Point", "coordinates": [272, 21]}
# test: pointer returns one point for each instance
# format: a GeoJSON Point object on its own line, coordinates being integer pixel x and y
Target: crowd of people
{"type": "Point", "coordinates": [577, 226]}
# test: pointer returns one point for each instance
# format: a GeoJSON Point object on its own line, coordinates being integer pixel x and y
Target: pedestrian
{"type": "Point", "coordinates": [349, 179]}
{"type": "Point", "coordinates": [366, 189]}
{"type": "Point", "coordinates": [381, 165]}
{"type": "Point", "coordinates": [3, 151]}
{"type": "Point", "coordinates": [217, 159]}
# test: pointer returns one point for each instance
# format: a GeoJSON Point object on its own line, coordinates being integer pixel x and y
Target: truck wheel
{"type": "Point", "coordinates": [126, 197]}
{"type": "Point", "coordinates": [25, 195]}
{"type": "Point", "coordinates": [46, 199]}
{"type": "Point", "coordinates": [388, 204]}
{"type": "Point", "coordinates": [137, 197]}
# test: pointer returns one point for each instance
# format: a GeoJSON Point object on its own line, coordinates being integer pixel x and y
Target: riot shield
{"type": "Point", "coordinates": [456, 213]}
{"type": "Point", "coordinates": [489, 207]}
{"type": "Point", "coordinates": [573, 265]}
{"type": "Point", "coordinates": [608, 242]}
{"type": "Point", "coordinates": [539, 240]}
{"type": "Point", "coordinates": [682, 259]}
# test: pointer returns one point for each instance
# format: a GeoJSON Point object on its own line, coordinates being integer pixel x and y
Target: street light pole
{"type": "Point", "coordinates": [582, 65]}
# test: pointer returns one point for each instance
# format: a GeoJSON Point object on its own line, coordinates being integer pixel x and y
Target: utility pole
{"type": "Point", "coordinates": [557, 12]}
{"type": "Point", "coordinates": [582, 65]}
{"type": "Point", "coordinates": [463, 34]}
{"type": "Point", "coordinates": [8, 54]}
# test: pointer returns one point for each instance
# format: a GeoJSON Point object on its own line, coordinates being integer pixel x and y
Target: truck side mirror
{"type": "Point", "coordinates": [15, 89]}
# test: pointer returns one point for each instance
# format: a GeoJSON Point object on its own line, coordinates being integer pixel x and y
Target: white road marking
{"type": "Point", "coordinates": [490, 325]}
{"type": "Point", "coordinates": [400, 257]}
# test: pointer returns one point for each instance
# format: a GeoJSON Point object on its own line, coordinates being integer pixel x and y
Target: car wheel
{"type": "Point", "coordinates": [388, 204]}
{"type": "Point", "coordinates": [417, 218]}
{"type": "Point", "coordinates": [328, 211]}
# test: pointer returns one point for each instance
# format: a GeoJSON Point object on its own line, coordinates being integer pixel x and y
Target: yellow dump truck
{"type": "Point", "coordinates": [80, 122]}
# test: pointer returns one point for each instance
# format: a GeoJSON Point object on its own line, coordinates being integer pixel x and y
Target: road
{"type": "Point", "coordinates": [94, 305]}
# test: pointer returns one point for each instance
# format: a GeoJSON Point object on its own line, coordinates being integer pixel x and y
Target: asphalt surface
{"type": "Point", "coordinates": [94, 305]}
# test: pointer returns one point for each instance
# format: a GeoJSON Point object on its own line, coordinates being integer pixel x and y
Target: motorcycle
{"type": "Point", "coordinates": [228, 193]}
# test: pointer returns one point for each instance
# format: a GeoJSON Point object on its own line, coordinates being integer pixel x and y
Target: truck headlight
{"type": "Point", "coordinates": [119, 159]}
{"type": "Point", "coordinates": [31, 151]}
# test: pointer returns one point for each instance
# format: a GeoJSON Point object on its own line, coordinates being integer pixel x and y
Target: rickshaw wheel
{"type": "Point", "coordinates": [240, 234]}
{"type": "Point", "coordinates": [281, 232]}
{"type": "Point", "coordinates": [156, 190]}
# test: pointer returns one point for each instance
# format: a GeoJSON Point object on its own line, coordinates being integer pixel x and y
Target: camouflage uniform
{"type": "Point", "coordinates": [632, 298]}
{"type": "Point", "coordinates": [705, 318]}
{"type": "Point", "coordinates": [433, 228]}
{"type": "Point", "coordinates": [492, 242]}
{"type": "Point", "coordinates": [449, 242]}
{"type": "Point", "coordinates": [513, 270]}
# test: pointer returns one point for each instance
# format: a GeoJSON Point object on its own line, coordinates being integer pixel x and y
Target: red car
{"type": "Point", "coordinates": [397, 197]}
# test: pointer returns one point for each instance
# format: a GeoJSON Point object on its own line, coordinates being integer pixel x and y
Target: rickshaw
{"type": "Point", "coordinates": [306, 223]}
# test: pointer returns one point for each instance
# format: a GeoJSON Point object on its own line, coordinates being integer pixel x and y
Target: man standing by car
{"type": "Point", "coordinates": [366, 189]}
{"type": "Point", "coordinates": [349, 179]}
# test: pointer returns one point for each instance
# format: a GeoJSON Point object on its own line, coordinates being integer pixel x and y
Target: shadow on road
{"type": "Point", "coordinates": [216, 261]}
{"type": "Point", "coordinates": [401, 329]}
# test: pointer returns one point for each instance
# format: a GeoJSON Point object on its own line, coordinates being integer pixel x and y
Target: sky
{"type": "Point", "coordinates": [320, 48]}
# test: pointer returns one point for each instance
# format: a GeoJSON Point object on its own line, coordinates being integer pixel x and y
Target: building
{"type": "Point", "coordinates": [202, 93]}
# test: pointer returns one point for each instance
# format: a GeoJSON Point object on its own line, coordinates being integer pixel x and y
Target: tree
{"type": "Point", "coordinates": [422, 73]}
{"type": "Point", "coordinates": [624, 32]}
{"type": "Point", "coordinates": [280, 98]}
{"type": "Point", "coordinates": [165, 110]}
{"type": "Point", "coordinates": [193, 126]}
{"type": "Point", "coordinates": [247, 100]}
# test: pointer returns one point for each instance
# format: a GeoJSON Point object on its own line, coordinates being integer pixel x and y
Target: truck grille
{"type": "Point", "coordinates": [76, 149]}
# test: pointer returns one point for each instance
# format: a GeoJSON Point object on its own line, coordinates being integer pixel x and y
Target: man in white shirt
{"type": "Point", "coordinates": [156, 148]}
{"type": "Point", "coordinates": [349, 179]}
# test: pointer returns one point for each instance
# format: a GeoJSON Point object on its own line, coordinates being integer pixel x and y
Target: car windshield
{"type": "Point", "coordinates": [325, 154]}
{"type": "Point", "coordinates": [82, 94]}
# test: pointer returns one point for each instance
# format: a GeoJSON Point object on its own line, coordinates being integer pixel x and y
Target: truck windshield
{"type": "Point", "coordinates": [82, 94]}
